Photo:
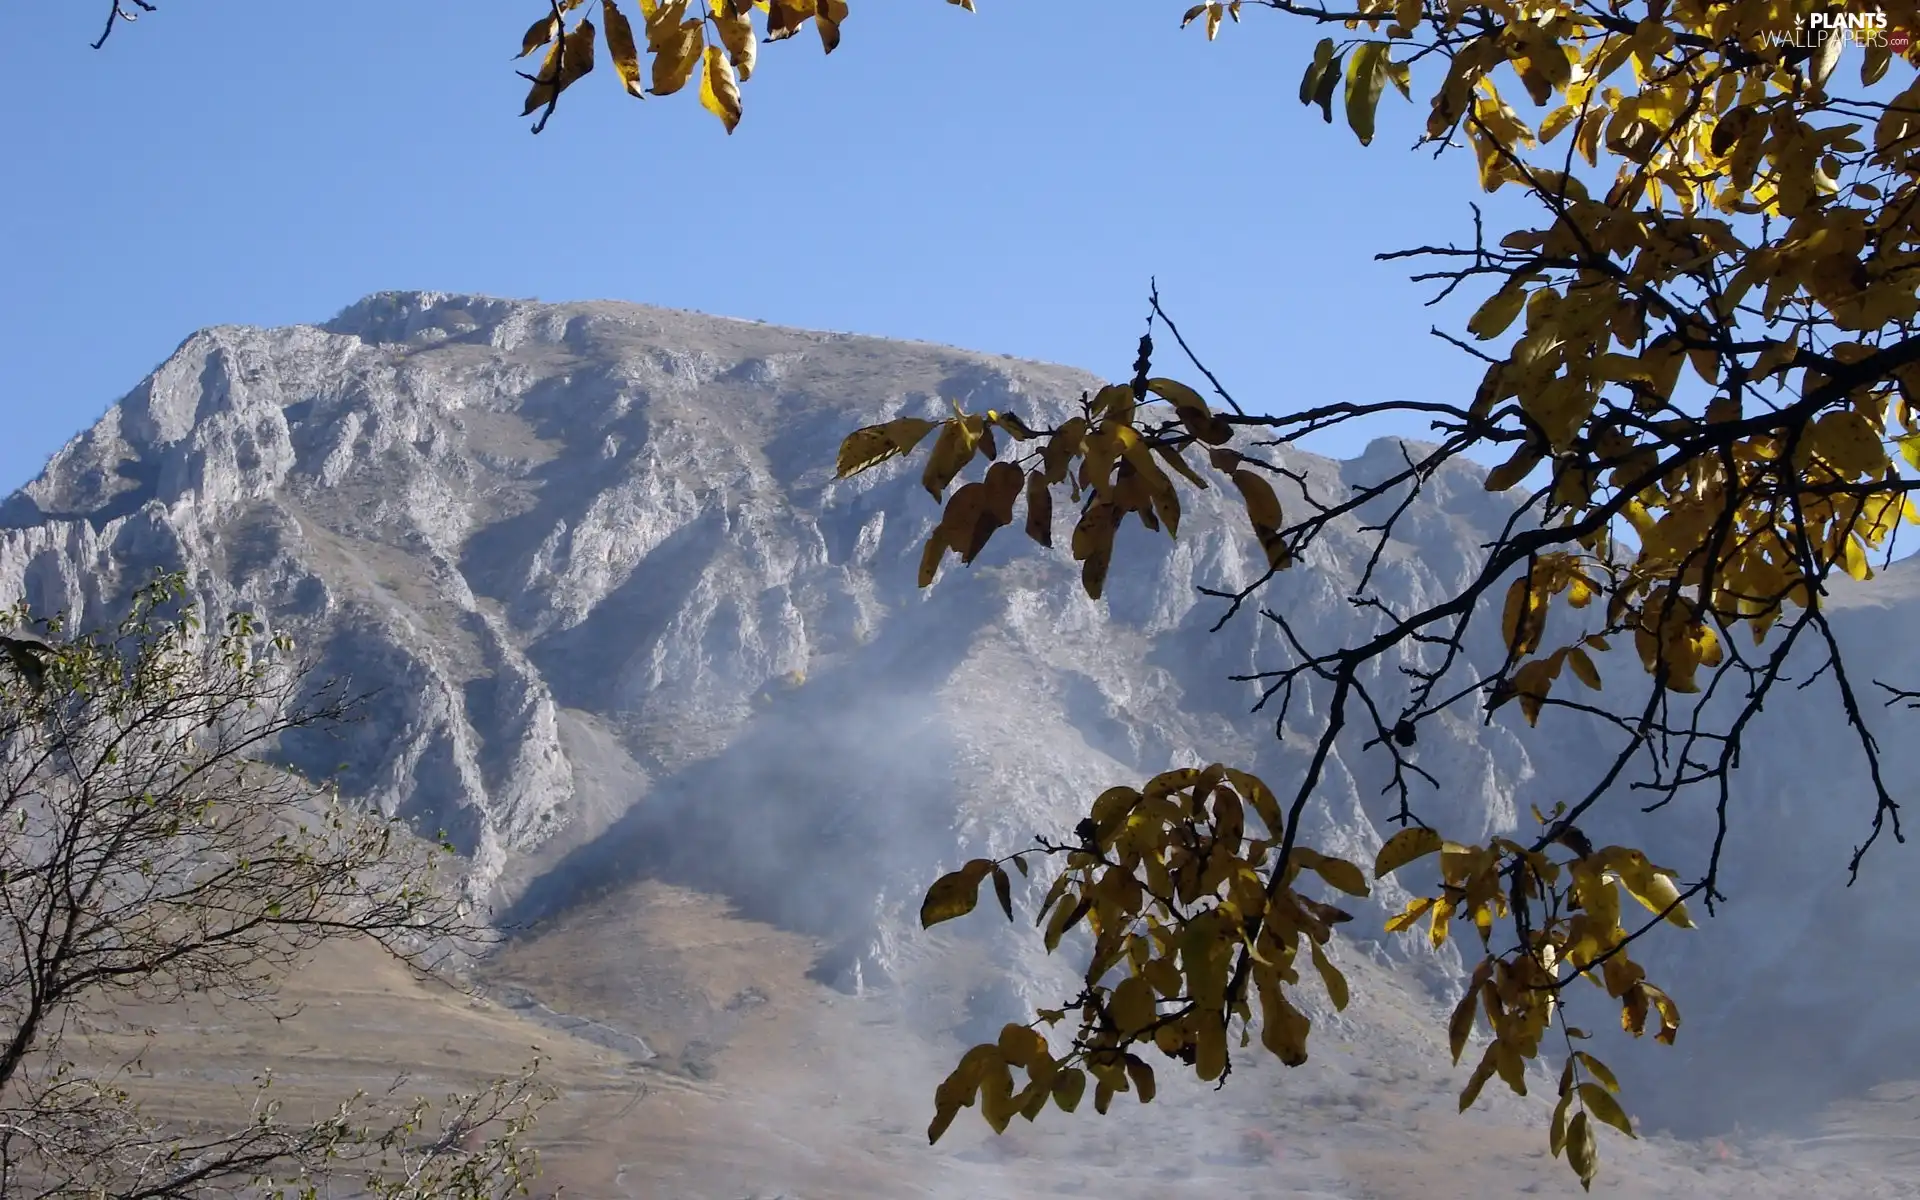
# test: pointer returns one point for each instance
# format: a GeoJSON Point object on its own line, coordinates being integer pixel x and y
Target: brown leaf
{"type": "Point", "coordinates": [1093, 545]}
{"type": "Point", "coordinates": [734, 20]}
{"type": "Point", "coordinates": [570, 58]}
{"type": "Point", "coordinates": [785, 17]}
{"type": "Point", "coordinates": [1039, 509]}
{"type": "Point", "coordinates": [827, 20]}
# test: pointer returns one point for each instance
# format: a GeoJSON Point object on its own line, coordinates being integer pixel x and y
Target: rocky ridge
{"type": "Point", "coordinates": [625, 624]}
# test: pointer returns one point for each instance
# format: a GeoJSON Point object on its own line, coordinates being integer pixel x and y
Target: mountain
{"type": "Point", "coordinates": [631, 641]}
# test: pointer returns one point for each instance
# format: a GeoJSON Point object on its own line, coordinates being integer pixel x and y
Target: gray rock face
{"type": "Point", "coordinates": [623, 620]}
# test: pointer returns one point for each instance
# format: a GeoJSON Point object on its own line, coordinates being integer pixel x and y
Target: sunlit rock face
{"type": "Point", "coordinates": [618, 618]}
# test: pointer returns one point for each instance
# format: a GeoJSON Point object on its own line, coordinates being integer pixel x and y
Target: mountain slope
{"type": "Point", "coordinates": [626, 627]}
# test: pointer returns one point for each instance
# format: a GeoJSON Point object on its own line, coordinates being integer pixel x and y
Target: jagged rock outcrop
{"type": "Point", "coordinates": [622, 619]}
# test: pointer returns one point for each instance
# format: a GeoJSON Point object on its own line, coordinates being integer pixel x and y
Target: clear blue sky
{"type": "Point", "coordinates": [1005, 181]}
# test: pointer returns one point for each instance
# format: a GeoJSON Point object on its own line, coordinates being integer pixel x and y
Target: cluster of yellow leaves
{"type": "Point", "coordinates": [1194, 922]}
{"type": "Point", "coordinates": [1706, 348]}
{"type": "Point", "coordinates": [1567, 931]}
{"type": "Point", "coordinates": [1113, 460]}
{"type": "Point", "coordinates": [1712, 115]}
{"type": "Point", "coordinates": [714, 38]}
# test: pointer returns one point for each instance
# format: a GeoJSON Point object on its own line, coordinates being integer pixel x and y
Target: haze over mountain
{"type": "Point", "coordinates": [636, 650]}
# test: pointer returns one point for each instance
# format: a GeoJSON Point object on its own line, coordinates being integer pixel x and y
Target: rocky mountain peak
{"type": "Point", "coordinates": [622, 620]}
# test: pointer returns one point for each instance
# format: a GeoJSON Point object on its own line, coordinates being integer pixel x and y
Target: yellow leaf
{"type": "Point", "coordinates": [874, 444]}
{"type": "Point", "coordinates": [677, 51]}
{"type": "Point", "coordinates": [1460, 1023]}
{"type": "Point", "coordinates": [1039, 509]}
{"type": "Point", "coordinates": [1338, 872]}
{"type": "Point", "coordinates": [1263, 507]}
{"type": "Point", "coordinates": [1257, 793]}
{"type": "Point", "coordinates": [1366, 77]}
{"type": "Point", "coordinates": [1582, 1154]}
{"type": "Point", "coordinates": [1409, 916]}
{"type": "Point", "coordinates": [1523, 618]}
{"type": "Point", "coordinates": [952, 451]}
{"type": "Point", "coordinates": [1093, 545]}
{"type": "Point", "coordinates": [1068, 1086]}
{"type": "Point", "coordinates": [1173, 459]}
{"type": "Point", "coordinates": [620, 45]}
{"type": "Point", "coordinates": [954, 894]}
{"type": "Point", "coordinates": [1132, 1005]}
{"type": "Point", "coordinates": [1533, 682]}
{"type": "Point", "coordinates": [1210, 1045]}
{"type": "Point", "coordinates": [570, 58]}
{"type": "Point", "coordinates": [1493, 317]}
{"type": "Point", "coordinates": [1669, 1013]}
{"type": "Point", "coordinates": [1910, 449]}
{"type": "Point", "coordinates": [959, 1088]}
{"type": "Point", "coordinates": [1283, 1028]}
{"type": "Point", "coordinates": [1515, 469]}
{"type": "Point", "coordinates": [1599, 1070]}
{"type": "Point", "coordinates": [1310, 82]}
{"type": "Point", "coordinates": [1583, 668]}
{"type": "Point", "coordinates": [540, 33]}
{"type": "Point", "coordinates": [785, 17]}
{"type": "Point", "coordinates": [1142, 1076]}
{"type": "Point", "coordinates": [930, 556]}
{"type": "Point", "coordinates": [1604, 1107]}
{"type": "Point", "coordinates": [734, 21]}
{"type": "Point", "coordinates": [1651, 886]}
{"type": "Point", "coordinates": [719, 89]}
{"type": "Point", "coordinates": [1404, 847]}
{"type": "Point", "coordinates": [1848, 440]}
{"type": "Point", "coordinates": [996, 1094]}
{"type": "Point", "coordinates": [1192, 410]}
{"type": "Point", "coordinates": [1330, 977]}
{"type": "Point", "coordinates": [1021, 1045]}
{"type": "Point", "coordinates": [967, 524]}
{"type": "Point", "coordinates": [1478, 1079]}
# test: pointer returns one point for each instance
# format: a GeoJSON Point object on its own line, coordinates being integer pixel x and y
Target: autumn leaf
{"type": "Point", "coordinates": [570, 58]}
{"type": "Point", "coordinates": [952, 451]}
{"type": "Point", "coordinates": [827, 19]}
{"type": "Point", "coordinates": [1582, 1154]}
{"type": "Point", "coordinates": [734, 21]}
{"type": "Point", "coordinates": [1366, 76]}
{"type": "Point", "coordinates": [1039, 509]}
{"type": "Point", "coordinates": [955, 893]}
{"type": "Point", "coordinates": [719, 89]}
{"type": "Point", "coordinates": [1404, 847]}
{"type": "Point", "coordinates": [874, 444]}
{"type": "Point", "coordinates": [539, 34]}
{"type": "Point", "coordinates": [677, 51]}
{"type": "Point", "coordinates": [1605, 1108]}
{"type": "Point", "coordinates": [622, 48]}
